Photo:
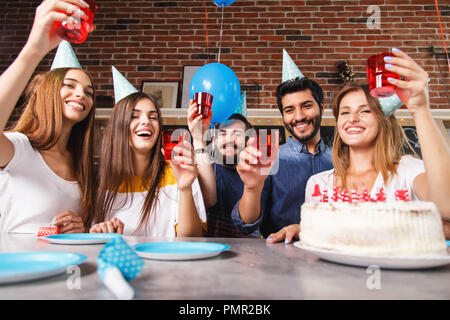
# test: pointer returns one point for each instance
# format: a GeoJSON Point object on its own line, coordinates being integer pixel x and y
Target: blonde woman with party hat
{"type": "Point", "coordinates": [46, 169]}
{"type": "Point", "coordinates": [368, 148]}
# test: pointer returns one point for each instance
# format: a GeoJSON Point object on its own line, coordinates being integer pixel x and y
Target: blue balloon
{"type": "Point", "coordinates": [224, 3]}
{"type": "Point", "coordinates": [220, 81]}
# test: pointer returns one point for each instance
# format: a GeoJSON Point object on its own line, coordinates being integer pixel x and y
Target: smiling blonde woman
{"type": "Point", "coordinates": [46, 167]}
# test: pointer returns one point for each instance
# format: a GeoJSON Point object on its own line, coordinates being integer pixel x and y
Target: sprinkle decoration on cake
{"type": "Point", "coordinates": [356, 223]}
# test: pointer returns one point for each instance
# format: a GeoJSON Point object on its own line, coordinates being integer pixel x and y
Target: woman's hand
{"type": "Point", "coordinates": [183, 166]}
{"type": "Point", "coordinates": [413, 91]}
{"type": "Point", "coordinates": [287, 234]}
{"type": "Point", "coordinates": [69, 222]}
{"type": "Point", "coordinates": [115, 225]}
{"type": "Point", "coordinates": [252, 172]}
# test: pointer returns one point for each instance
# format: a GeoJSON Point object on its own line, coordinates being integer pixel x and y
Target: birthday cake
{"type": "Point", "coordinates": [401, 228]}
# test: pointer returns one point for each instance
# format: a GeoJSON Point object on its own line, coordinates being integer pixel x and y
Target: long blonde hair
{"type": "Point", "coordinates": [116, 162]}
{"type": "Point", "coordinates": [390, 143]}
{"type": "Point", "coordinates": [41, 121]}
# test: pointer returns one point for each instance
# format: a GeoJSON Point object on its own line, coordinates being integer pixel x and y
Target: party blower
{"type": "Point", "coordinates": [118, 263]}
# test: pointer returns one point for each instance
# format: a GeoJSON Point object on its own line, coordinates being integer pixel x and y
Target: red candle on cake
{"type": "Point", "coordinates": [402, 195]}
{"type": "Point", "coordinates": [365, 195]}
{"type": "Point", "coordinates": [317, 192]}
{"type": "Point", "coordinates": [355, 196]}
{"type": "Point", "coordinates": [346, 196]}
{"type": "Point", "coordinates": [325, 195]}
{"type": "Point", "coordinates": [381, 196]}
{"type": "Point", "coordinates": [406, 195]}
{"type": "Point", "coordinates": [335, 196]}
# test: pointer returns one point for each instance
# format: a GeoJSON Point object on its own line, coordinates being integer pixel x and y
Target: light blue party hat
{"type": "Point", "coordinates": [242, 106]}
{"type": "Point", "coordinates": [390, 104]}
{"type": "Point", "coordinates": [122, 87]}
{"type": "Point", "coordinates": [290, 69]}
{"type": "Point", "coordinates": [65, 57]}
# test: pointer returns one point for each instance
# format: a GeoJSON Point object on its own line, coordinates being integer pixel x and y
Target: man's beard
{"type": "Point", "coordinates": [305, 138]}
{"type": "Point", "coordinates": [230, 160]}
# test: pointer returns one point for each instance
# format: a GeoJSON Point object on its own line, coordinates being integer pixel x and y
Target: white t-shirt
{"type": "Point", "coordinates": [407, 170]}
{"type": "Point", "coordinates": [164, 216]}
{"type": "Point", "coordinates": [31, 194]}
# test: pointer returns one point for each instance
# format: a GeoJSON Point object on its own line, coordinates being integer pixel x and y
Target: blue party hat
{"type": "Point", "coordinates": [290, 69]}
{"type": "Point", "coordinates": [122, 87]}
{"type": "Point", "coordinates": [242, 106]}
{"type": "Point", "coordinates": [390, 104]}
{"type": "Point", "coordinates": [65, 57]}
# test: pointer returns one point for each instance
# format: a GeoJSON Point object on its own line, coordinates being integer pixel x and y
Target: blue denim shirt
{"type": "Point", "coordinates": [229, 188]}
{"type": "Point", "coordinates": [284, 192]}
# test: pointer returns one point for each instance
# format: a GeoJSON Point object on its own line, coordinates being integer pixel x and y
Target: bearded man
{"type": "Point", "coordinates": [219, 181]}
{"type": "Point", "coordinates": [272, 198]}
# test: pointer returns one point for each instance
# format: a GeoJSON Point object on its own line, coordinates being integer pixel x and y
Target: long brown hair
{"type": "Point", "coordinates": [390, 144]}
{"type": "Point", "coordinates": [41, 121]}
{"type": "Point", "coordinates": [116, 162]}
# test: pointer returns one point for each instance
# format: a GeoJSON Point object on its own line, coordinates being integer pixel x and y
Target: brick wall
{"type": "Point", "coordinates": [153, 40]}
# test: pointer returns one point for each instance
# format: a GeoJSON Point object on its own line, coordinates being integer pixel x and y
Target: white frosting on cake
{"type": "Point", "coordinates": [373, 228]}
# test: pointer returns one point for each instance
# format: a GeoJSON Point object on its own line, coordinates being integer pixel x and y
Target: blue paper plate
{"type": "Point", "coordinates": [25, 266]}
{"type": "Point", "coordinates": [81, 238]}
{"type": "Point", "coordinates": [448, 243]}
{"type": "Point", "coordinates": [177, 250]}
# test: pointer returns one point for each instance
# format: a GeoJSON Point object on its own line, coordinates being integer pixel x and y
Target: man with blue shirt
{"type": "Point", "coordinates": [219, 181]}
{"type": "Point", "coordinates": [230, 141]}
{"type": "Point", "coordinates": [272, 201]}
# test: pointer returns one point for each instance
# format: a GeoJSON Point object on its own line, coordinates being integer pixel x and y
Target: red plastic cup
{"type": "Point", "coordinates": [170, 140]}
{"type": "Point", "coordinates": [267, 141]}
{"type": "Point", "coordinates": [204, 102]}
{"type": "Point", "coordinates": [377, 76]}
{"type": "Point", "coordinates": [77, 30]}
{"type": "Point", "coordinates": [264, 141]}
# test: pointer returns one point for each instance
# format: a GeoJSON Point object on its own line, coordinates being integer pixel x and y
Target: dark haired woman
{"type": "Point", "coordinates": [139, 192]}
